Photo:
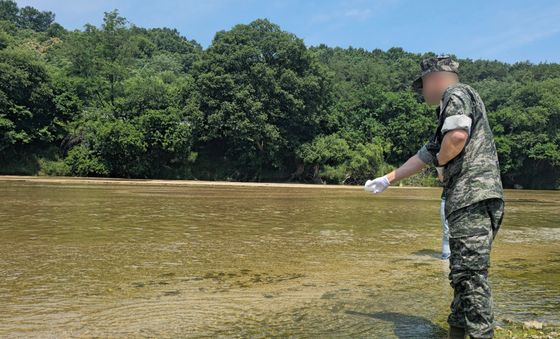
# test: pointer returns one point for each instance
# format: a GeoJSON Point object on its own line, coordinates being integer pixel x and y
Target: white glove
{"type": "Point", "coordinates": [377, 185]}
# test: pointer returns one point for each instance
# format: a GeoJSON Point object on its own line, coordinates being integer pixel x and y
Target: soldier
{"type": "Point", "coordinates": [462, 147]}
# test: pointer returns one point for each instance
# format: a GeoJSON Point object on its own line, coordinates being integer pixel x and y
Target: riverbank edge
{"type": "Point", "coordinates": [178, 182]}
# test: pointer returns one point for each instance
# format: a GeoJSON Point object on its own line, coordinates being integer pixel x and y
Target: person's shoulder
{"type": "Point", "coordinates": [457, 94]}
{"type": "Point", "coordinates": [458, 90]}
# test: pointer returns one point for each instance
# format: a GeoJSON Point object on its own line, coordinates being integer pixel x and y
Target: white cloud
{"type": "Point", "coordinates": [517, 30]}
{"type": "Point", "coordinates": [353, 10]}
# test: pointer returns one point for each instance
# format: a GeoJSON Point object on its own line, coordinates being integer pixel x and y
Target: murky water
{"type": "Point", "coordinates": [167, 261]}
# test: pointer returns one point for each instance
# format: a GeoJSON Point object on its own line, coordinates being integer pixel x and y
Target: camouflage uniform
{"type": "Point", "coordinates": [474, 202]}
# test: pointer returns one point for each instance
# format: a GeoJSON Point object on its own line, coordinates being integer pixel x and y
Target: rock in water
{"type": "Point", "coordinates": [533, 324]}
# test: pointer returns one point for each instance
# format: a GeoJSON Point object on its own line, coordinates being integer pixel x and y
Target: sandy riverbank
{"type": "Point", "coordinates": [120, 181]}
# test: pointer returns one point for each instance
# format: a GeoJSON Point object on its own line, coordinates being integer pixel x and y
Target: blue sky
{"type": "Point", "coordinates": [509, 31]}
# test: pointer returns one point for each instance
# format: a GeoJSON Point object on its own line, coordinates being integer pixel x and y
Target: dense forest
{"type": "Point", "coordinates": [256, 105]}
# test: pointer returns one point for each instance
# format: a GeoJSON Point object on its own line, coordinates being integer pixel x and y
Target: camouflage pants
{"type": "Point", "coordinates": [472, 230]}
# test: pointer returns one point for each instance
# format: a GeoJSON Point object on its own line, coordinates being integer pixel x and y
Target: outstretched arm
{"type": "Point", "coordinates": [412, 166]}
{"type": "Point", "coordinates": [452, 144]}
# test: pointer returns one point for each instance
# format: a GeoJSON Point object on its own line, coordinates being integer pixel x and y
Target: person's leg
{"type": "Point", "coordinates": [445, 250]}
{"type": "Point", "coordinates": [471, 287]}
{"type": "Point", "coordinates": [471, 234]}
{"type": "Point", "coordinates": [456, 318]}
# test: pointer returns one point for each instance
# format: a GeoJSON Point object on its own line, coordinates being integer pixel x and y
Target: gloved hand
{"type": "Point", "coordinates": [377, 185]}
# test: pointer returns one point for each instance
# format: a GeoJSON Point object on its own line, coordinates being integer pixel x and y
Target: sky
{"type": "Point", "coordinates": [509, 31]}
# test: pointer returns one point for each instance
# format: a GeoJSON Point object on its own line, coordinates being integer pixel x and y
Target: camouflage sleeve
{"type": "Point", "coordinates": [425, 155]}
{"type": "Point", "coordinates": [457, 112]}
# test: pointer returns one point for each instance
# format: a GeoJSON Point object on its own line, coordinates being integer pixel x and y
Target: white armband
{"type": "Point", "coordinates": [460, 121]}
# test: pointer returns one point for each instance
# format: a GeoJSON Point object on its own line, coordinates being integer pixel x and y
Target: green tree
{"type": "Point", "coordinates": [26, 17]}
{"type": "Point", "coordinates": [27, 109]}
{"type": "Point", "coordinates": [261, 94]}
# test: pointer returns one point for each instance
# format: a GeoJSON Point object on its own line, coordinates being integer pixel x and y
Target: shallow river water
{"type": "Point", "coordinates": [119, 260]}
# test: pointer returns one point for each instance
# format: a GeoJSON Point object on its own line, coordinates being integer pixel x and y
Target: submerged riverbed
{"type": "Point", "coordinates": [167, 260]}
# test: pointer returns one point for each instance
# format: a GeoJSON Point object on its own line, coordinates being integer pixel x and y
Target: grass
{"type": "Point", "coordinates": [517, 330]}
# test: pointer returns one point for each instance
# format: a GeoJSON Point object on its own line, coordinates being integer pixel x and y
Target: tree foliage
{"type": "Point", "coordinates": [257, 104]}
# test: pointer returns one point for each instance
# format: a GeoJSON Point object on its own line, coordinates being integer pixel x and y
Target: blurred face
{"type": "Point", "coordinates": [435, 83]}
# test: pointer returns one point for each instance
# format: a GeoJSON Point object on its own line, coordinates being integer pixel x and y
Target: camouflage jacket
{"type": "Point", "coordinates": [474, 174]}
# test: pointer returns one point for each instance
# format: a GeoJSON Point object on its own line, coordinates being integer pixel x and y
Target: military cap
{"type": "Point", "coordinates": [441, 63]}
